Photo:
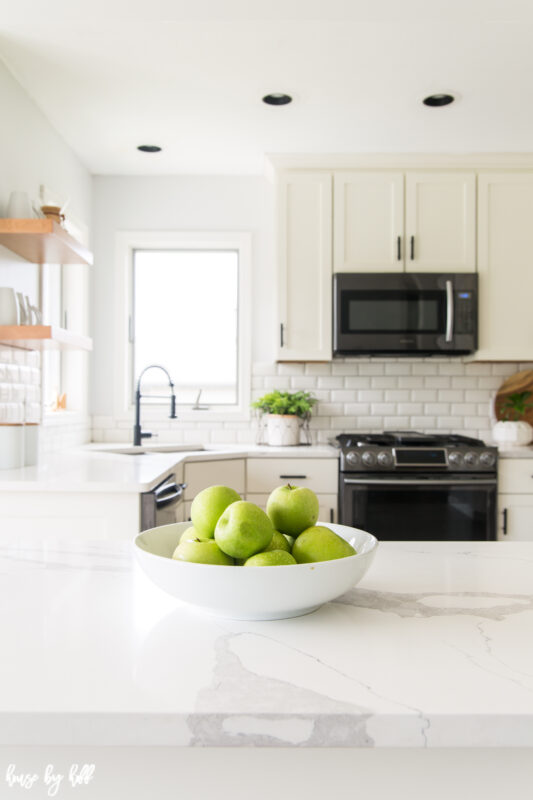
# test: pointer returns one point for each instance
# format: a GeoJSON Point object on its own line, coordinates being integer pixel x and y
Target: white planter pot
{"type": "Point", "coordinates": [512, 434]}
{"type": "Point", "coordinates": [283, 430]}
{"type": "Point", "coordinates": [11, 446]}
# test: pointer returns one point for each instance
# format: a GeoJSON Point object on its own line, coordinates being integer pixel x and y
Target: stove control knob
{"type": "Point", "coordinates": [470, 458]}
{"type": "Point", "coordinates": [368, 459]}
{"type": "Point", "coordinates": [455, 458]}
{"type": "Point", "coordinates": [352, 458]}
{"type": "Point", "coordinates": [488, 459]}
{"type": "Point", "coordinates": [385, 458]}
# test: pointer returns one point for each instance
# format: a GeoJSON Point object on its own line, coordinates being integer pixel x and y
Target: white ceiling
{"type": "Point", "coordinates": [190, 78]}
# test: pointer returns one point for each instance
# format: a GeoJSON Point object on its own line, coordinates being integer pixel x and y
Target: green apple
{"type": "Point", "coordinates": [320, 544]}
{"type": "Point", "coordinates": [243, 529]}
{"type": "Point", "coordinates": [290, 541]}
{"type": "Point", "coordinates": [292, 509]}
{"type": "Point", "coordinates": [191, 534]}
{"type": "Point", "coordinates": [278, 542]}
{"type": "Point", "coordinates": [202, 552]}
{"type": "Point", "coordinates": [207, 508]}
{"type": "Point", "coordinates": [270, 558]}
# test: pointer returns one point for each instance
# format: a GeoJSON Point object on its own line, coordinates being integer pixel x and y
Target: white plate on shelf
{"type": "Point", "coordinates": [253, 593]}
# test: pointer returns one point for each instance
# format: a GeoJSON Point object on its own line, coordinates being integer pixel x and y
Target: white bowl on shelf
{"type": "Point", "coordinates": [252, 593]}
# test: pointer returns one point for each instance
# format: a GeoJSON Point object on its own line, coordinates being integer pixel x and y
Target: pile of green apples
{"type": "Point", "coordinates": [229, 531]}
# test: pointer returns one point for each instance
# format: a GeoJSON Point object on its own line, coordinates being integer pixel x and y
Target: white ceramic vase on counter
{"type": "Point", "coordinates": [283, 430]}
{"type": "Point", "coordinates": [509, 434]}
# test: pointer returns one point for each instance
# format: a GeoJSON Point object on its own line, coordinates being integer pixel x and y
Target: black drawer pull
{"type": "Point", "coordinates": [287, 477]}
{"type": "Point", "coordinates": [504, 531]}
{"type": "Point", "coordinates": [399, 246]}
{"type": "Point", "coordinates": [412, 248]}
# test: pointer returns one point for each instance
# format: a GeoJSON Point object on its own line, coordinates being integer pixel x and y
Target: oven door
{"type": "Point", "coordinates": [420, 509]}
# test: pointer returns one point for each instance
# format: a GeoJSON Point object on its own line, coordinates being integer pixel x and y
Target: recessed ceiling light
{"type": "Point", "coordinates": [436, 100]}
{"type": "Point", "coordinates": [277, 99]}
{"type": "Point", "coordinates": [149, 148]}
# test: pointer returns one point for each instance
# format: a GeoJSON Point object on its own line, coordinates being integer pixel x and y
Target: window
{"type": "Point", "coordinates": [188, 310]}
{"type": "Point", "coordinates": [185, 305]}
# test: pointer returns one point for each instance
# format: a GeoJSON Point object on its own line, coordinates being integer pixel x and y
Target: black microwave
{"type": "Point", "coordinates": [413, 313]}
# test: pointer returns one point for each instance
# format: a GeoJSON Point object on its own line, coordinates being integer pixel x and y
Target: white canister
{"type": "Point", "coordinates": [511, 433]}
{"type": "Point", "coordinates": [9, 307]}
{"type": "Point", "coordinates": [283, 430]}
{"type": "Point", "coordinates": [11, 446]}
{"type": "Point", "coordinates": [19, 206]}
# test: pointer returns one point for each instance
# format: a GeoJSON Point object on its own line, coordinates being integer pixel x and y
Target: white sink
{"type": "Point", "coordinates": [143, 449]}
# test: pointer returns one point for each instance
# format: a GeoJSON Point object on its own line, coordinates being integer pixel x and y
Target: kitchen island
{"type": "Point", "coordinates": [425, 669]}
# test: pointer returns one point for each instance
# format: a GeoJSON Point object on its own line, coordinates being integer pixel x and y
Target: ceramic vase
{"type": "Point", "coordinates": [283, 430]}
{"type": "Point", "coordinates": [512, 434]}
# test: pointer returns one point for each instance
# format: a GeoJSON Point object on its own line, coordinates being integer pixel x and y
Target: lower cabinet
{"type": "Point", "coordinates": [199, 475]}
{"type": "Point", "coordinates": [327, 505]}
{"type": "Point", "coordinates": [319, 474]}
{"type": "Point", "coordinates": [515, 499]}
{"type": "Point", "coordinates": [76, 515]}
{"type": "Point", "coordinates": [515, 517]}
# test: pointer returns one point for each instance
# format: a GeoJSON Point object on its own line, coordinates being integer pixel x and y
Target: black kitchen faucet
{"type": "Point", "coordinates": [138, 434]}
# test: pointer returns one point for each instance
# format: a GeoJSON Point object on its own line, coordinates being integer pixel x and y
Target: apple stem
{"type": "Point", "coordinates": [289, 486]}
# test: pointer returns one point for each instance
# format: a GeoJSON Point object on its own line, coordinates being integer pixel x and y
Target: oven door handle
{"type": "Point", "coordinates": [449, 311]}
{"type": "Point", "coordinates": [401, 482]}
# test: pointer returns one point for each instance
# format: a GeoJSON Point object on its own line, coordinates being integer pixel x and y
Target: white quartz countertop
{"type": "Point", "coordinates": [95, 469]}
{"type": "Point", "coordinates": [433, 648]}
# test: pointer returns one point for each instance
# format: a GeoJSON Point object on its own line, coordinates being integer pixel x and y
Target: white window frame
{"type": "Point", "coordinates": [127, 242]}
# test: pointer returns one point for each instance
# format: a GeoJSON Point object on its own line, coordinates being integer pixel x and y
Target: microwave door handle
{"type": "Point", "coordinates": [449, 311]}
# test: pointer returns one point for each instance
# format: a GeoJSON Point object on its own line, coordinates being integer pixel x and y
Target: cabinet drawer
{"type": "Point", "coordinates": [327, 505]}
{"type": "Point", "coordinates": [201, 474]}
{"type": "Point", "coordinates": [263, 475]}
{"type": "Point", "coordinates": [515, 475]}
{"type": "Point", "coordinates": [515, 517]}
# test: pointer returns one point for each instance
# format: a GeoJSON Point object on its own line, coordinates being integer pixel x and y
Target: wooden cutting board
{"type": "Point", "coordinates": [519, 382]}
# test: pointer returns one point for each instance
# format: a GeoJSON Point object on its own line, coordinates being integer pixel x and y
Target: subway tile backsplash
{"type": "Point", "coordinates": [444, 395]}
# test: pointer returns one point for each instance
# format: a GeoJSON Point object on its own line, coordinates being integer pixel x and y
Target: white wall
{"type": "Point", "coordinates": [33, 153]}
{"type": "Point", "coordinates": [178, 203]}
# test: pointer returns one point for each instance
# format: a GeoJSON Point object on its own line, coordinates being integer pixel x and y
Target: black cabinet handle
{"type": "Point", "coordinates": [331, 515]}
{"type": "Point", "coordinates": [287, 477]}
{"type": "Point", "coordinates": [281, 335]}
{"type": "Point", "coordinates": [399, 246]}
{"type": "Point", "coordinates": [412, 248]}
{"type": "Point", "coordinates": [504, 530]}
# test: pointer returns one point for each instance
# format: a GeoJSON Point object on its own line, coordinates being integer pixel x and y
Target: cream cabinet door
{"type": "Point", "coordinates": [219, 472]}
{"type": "Point", "coordinates": [440, 222]}
{"type": "Point", "coordinates": [305, 270]}
{"type": "Point", "coordinates": [515, 517]}
{"type": "Point", "coordinates": [368, 222]}
{"type": "Point", "coordinates": [505, 265]}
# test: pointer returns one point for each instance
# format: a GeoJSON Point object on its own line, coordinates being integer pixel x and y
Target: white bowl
{"type": "Point", "coordinates": [252, 593]}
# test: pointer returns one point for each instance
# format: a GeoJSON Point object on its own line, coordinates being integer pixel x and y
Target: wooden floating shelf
{"type": "Point", "coordinates": [42, 241]}
{"type": "Point", "coordinates": [43, 337]}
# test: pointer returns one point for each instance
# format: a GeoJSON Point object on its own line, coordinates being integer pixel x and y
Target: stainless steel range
{"type": "Point", "coordinates": [408, 485]}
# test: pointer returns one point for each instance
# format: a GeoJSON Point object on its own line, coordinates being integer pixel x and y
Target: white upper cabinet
{"type": "Point", "coordinates": [505, 266]}
{"type": "Point", "coordinates": [368, 222]}
{"type": "Point", "coordinates": [305, 270]}
{"type": "Point", "coordinates": [440, 221]}
{"type": "Point", "coordinates": [414, 221]}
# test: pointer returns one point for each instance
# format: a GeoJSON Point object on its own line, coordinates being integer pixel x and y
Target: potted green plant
{"type": "Point", "coordinates": [285, 413]}
{"type": "Point", "coordinates": [513, 431]}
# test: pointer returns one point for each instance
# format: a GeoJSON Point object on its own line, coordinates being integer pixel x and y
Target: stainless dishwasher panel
{"type": "Point", "coordinates": [159, 506]}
